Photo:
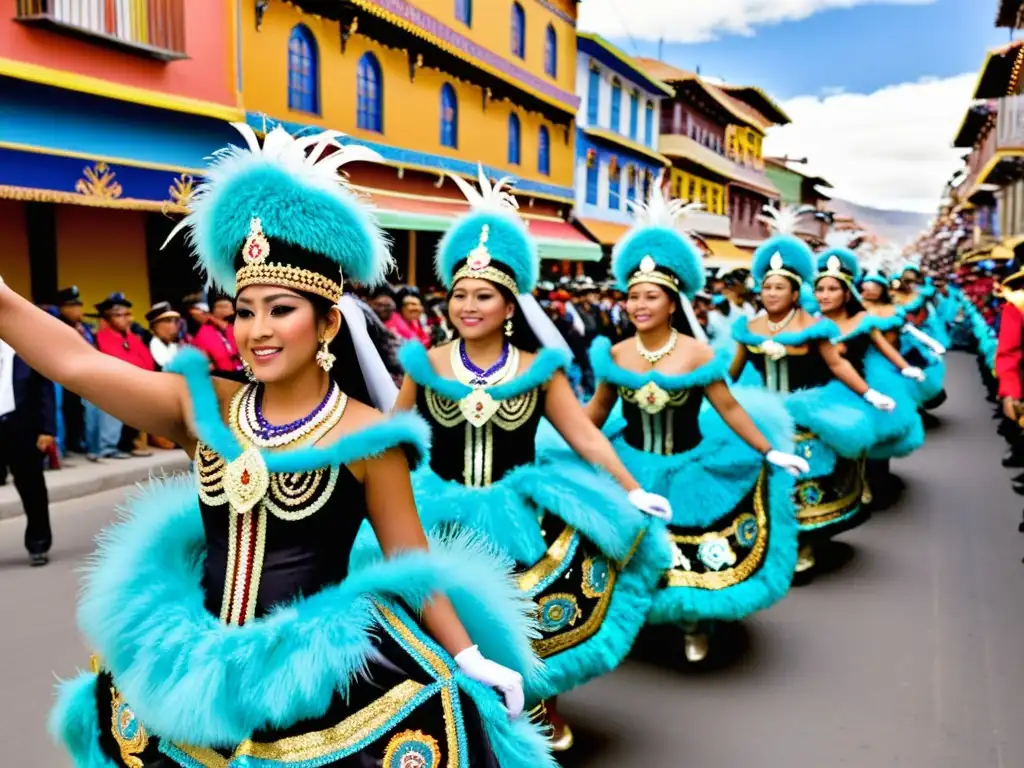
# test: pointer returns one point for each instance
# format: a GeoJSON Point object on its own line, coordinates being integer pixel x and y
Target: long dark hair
{"type": "Point", "coordinates": [346, 370]}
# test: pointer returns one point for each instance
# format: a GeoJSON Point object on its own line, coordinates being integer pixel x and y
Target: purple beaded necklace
{"type": "Point", "coordinates": [480, 376]}
{"type": "Point", "coordinates": [267, 430]}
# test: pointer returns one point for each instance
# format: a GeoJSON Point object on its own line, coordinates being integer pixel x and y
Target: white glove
{"type": "Point", "coordinates": [508, 681]}
{"type": "Point", "coordinates": [773, 349]}
{"type": "Point", "coordinates": [795, 465]}
{"type": "Point", "coordinates": [880, 401]}
{"type": "Point", "coordinates": [925, 339]}
{"type": "Point", "coordinates": [651, 503]}
{"type": "Point", "coordinates": [913, 372]}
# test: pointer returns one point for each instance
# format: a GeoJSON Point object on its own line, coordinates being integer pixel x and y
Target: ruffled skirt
{"type": "Point", "coordinates": [828, 499]}
{"type": "Point", "coordinates": [344, 677]}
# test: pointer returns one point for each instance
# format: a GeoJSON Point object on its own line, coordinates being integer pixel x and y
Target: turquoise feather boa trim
{"type": "Point", "coordinates": [194, 680]}
{"type": "Point", "coordinates": [822, 330]}
{"type": "Point", "coordinates": [416, 362]}
{"type": "Point", "coordinates": [400, 430]}
{"type": "Point", "coordinates": [73, 722]}
{"type": "Point", "coordinates": [606, 369]}
{"type": "Point", "coordinates": [869, 324]}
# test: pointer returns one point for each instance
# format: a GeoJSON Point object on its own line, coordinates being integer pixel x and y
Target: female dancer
{"type": "Point", "coordinates": [733, 530]}
{"type": "Point", "coordinates": [792, 353]}
{"type": "Point", "coordinates": [579, 544]}
{"type": "Point", "coordinates": [862, 342]}
{"type": "Point", "coordinates": [226, 627]}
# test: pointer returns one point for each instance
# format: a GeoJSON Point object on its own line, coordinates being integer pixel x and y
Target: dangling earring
{"type": "Point", "coordinates": [247, 369]}
{"type": "Point", "coordinates": [508, 328]}
{"type": "Point", "coordinates": [324, 358]}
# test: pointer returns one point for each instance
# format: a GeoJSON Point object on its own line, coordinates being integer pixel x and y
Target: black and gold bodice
{"type": "Point", "coordinates": [661, 421]}
{"type": "Point", "coordinates": [802, 367]}
{"type": "Point", "coordinates": [855, 348]}
{"type": "Point", "coordinates": [477, 439]}
{"type": "Point", "coordinates": [295, 541]}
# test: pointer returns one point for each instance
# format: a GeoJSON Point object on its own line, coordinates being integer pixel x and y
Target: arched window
{"type": "Point", "coordinates": [634, 114]}
{"type": "Point", "coordinates": [369, 94]}
{"type": "Point", "coordinates": [513, 139]}
{"type": "Point", "coordinates": [551, 52]}
{"type": "Point", "coordinates": [544, 151]}
{"type": "Point", "coordinates": [303, 81]}
{"type": "Point", "coordinates": [593, 171]}
{"type": "Point", "coordinates": [616, 124]}
{"type": "Point", "coordinates": [464, 11]}
{"type": "Point", "coordinates": [649, 125]}
{"type": "Point", "coordinates": [449, 117]}
{"type": "Point", "coordinates": [518, 31]}
{"type": "Point", "coordinates": [593, 96]}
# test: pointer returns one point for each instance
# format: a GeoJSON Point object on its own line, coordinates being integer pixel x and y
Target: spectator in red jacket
{"type": "Point", "coordinates": [216, 336]}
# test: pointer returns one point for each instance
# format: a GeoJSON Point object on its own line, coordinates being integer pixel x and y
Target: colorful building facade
{"type": "Point", "coordinates": [617, 131]}
{"type": "Point", "coordinates": [109, 109]}
{"type": "Point", "coordinates": [713, 135]}
{"type": "Point", "coordinates": [797, 189]}
{"type": "Point", "coordinates": [436, 87]}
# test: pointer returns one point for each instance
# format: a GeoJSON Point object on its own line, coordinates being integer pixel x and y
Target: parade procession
{"type": "Point", "coordinates": [511, 384]}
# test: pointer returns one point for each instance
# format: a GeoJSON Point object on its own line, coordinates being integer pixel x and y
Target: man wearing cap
{"type": "Point", "coordinates": [216, 336]}
{"type": "Point", "coordinates": [69, 308]}
{"type": "Point", "coordinates": [116, 339]}
{"type": "Point", "coordinates": [164, 324]}
{"type": "Point", "coordinates": [28, 424]}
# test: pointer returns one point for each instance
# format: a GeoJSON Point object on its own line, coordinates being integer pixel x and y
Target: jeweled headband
{"type": "Point", "coordinates": [834, 268]}
{"type": "Point", "coordinates": [648, 272]}
{"type": "Point", "coordinates": [293, 268]}
{"type": "Point", "coordinates": [777, 266]}
{"type": "Point", "coordinates": [478, 266]}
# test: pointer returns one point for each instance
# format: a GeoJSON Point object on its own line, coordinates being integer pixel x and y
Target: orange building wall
{"type": "Point", "coordinates": [14, 262]}
{"type": "Point", "coordinates": [412, 109]}
{"type": "Point", "coordinates": [103, 251]}
{"type": "Point", "coordinates": [208, 73]}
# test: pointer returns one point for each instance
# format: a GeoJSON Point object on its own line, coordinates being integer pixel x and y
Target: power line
{"type": "Point", "coordinates": [625, 27]}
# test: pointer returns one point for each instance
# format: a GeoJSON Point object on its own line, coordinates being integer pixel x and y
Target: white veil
{"type": "Point", "coordinates": [379, 384]}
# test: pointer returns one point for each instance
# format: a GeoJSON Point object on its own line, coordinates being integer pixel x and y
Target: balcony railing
{"type": "Point", "coordinates": [155, 28]}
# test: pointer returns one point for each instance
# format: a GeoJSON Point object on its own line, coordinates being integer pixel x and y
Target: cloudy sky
{"type": "Point", "coordinates": [875, 88]}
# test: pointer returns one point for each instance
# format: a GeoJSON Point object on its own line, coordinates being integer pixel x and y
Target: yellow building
{"type": "Point", "coordinates": [434, 86]}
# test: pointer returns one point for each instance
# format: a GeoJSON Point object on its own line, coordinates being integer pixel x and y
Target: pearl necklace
{"type": "Point", "coordinates": [473, 379]}
{"type": "Point", "coordinates": [653, 356]}
{"type": "Point", "coordinates": [321, 422]}
{"type": "Point", "coordinates": [776, 327]}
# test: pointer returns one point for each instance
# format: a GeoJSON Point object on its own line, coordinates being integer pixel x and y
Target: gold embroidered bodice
{"type": "Point", "coordinates": [477, 440]}
{"type": "Point", "coordinates": [661, 421]}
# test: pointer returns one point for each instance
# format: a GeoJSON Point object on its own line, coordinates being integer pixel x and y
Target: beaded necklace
{"type": "Point", "coordinates": [482, 377]}
{"type": "Point", "coordinates": [468, 373]}
{"type": "Point", "coordinates": [256, 429]}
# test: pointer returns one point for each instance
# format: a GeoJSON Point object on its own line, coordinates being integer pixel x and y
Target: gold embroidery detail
{"type": "Point", "coordinates": [589, 588]}
{"type": "Point", "coordinates": [207, 758]}
{"type": "Point", "coordinates": [436, 663]}
{"type": "Point", "coordinates": [547, 647]}
{"type": "Point", "coordinates": [713, 580]}
{"type": "Point", "coordinates": [127, 731]}
{"type": "Point", "coordinates": [411, 759]}
{"type": "Point", "coordinates": [477, 407]}
{"type": "Point", "coordinates": [246, 481]}
{"type": "Point", "coordinates": [285, 276]}
{"type": "Point", "coordinates": [450, 729]}
{"type": "Point", "coordinates": [817, 515]}
{"type": "Point", "coordinates": [549, 563]}
{"type": "Point", "coordinates": [182, 190]}
{"type": "Point", "coordinates": [99, 182]}
{"type": "Point", "coordinates": [209, 476]}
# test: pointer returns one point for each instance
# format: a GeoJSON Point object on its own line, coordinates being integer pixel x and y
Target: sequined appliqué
{"type": "Point", "coordinates": [246, 481]}
{"type": "Point", "coordinates": [746, 530]}
{"type": "Point", "coordinates": [128, 732]}
{"type": "Point", "coordinates": [810, 494]}
{"type": "Point", "coordinates": [716, 553]}
{"type": "Point", "coordinates": [557, 611]}
{"type": "Point", "coordinates": [412, 749]}
{"type": "Point", "coordinates": [596, 575]}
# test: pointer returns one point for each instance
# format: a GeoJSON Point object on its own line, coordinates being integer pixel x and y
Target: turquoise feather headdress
{"type": "Point", "coordinates": [783, 253]}
{"type": "Point", "coordinates": [491, 242]}
{"type": "Point", "coordinates": [838, 260]}
{"type": "Point", "coordinates": [280, 214]}
{"type": "Point", "coordinates": [656, 250]}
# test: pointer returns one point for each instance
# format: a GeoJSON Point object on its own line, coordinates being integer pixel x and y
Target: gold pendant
{"type": "Point", "coordinates": [651, 398]}
{"type": "Point", "coordinates": [127, 731]}
{"type": "Point", "coordinates": [246, 481]}
{"type": "Point", "coordinates": [478, 407]}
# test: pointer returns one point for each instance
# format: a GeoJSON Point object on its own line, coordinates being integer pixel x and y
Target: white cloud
{"type": "Point", "coordinates": [887, 149]}
{"type": "Point", "coordinates": [694, 21]}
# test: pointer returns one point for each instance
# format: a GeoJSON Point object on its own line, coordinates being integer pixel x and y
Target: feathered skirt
{"type": "Point", "coordinates": [586, 558]}
{"type": "Point", "coordinates": [341, 678]}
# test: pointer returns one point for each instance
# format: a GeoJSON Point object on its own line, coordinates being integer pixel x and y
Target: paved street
{"type": "Point", "coordinates": [907, 653]}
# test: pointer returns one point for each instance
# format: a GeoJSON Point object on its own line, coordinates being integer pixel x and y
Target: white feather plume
{"type": "Point", "coordinates": [495, 198]}
{"type": "Point", "coordinates": [837, 238]}
{"type": "Point", "coordinates": [783, 221]}
{"type": "Point", "coordinates": [660, 210]}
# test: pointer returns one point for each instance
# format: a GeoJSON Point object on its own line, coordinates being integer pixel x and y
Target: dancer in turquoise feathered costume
{"type": "Point", "coordinates": [920, 342]}
{"type": "Point", "coordinates": [862, 342]}
{"type": "Point", "coordinates": [580, 542]}
{"type": "Point", "coordinates": [733, 529]}
{"type": "Point", "coordinates": [227, 629]}
{"type": "Point", "coordinates": [792, 353]}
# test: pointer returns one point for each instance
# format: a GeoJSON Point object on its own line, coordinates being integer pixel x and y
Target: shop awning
{"type": "Point", "coordinates": [605, 232]}
{"type": "Point", "coordinates": [556, 239]}
{"type": "Point", "coordinates": [726, 255]}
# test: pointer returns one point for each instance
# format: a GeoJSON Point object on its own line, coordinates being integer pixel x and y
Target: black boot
{"type": "Point", "coordinates": [1014, 458]}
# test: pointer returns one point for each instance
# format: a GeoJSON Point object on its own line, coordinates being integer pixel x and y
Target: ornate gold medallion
{"type": "Point", "coordinates": [651, 398]}
{"type": "Point", "coordinates": [412, 749]}
{"type": "Point", "coordinates": [256, 248]}
{"type": "Point", "coordinates": [246, 481]}
{"type": "Point", "coordinates": [128, 732]}
{"type": "Point", "coordinates": [478, 407]}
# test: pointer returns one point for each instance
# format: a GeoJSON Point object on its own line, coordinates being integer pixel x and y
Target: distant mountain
{"type": "Point", "coordinates": [898, 227]}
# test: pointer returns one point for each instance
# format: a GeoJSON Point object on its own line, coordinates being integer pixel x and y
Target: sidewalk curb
{"type": "Point", "coordinates": [86, 479]}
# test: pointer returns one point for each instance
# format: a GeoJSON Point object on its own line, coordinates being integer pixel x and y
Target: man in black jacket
{"type": "Point", "coordinates": [27, 427]}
